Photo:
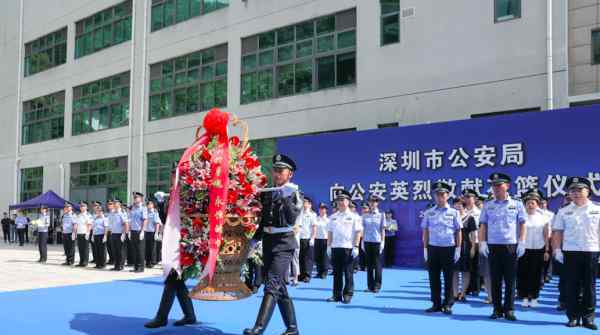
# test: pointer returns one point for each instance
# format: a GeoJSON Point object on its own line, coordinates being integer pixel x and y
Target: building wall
{"type": "Point", "coordinates": [452, 62]}
{"type": "Point", "coordinates": [584, 77]}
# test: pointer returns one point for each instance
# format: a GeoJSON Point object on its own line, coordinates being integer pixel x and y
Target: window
{"type": "Point", "coordinates": [189, 83]}
{"type": "Point", "coordinates": [160, 165]}
{"type": "Point", "coordinates": [390, 21]}
{"type": "Point", "coordinates": [596, 47]}
{"type": "Point", "coordinates": [101, 104]}
{"type": "Point", "coordinates": [103, 29]}
{"type": "Point", "coordinates": [43, 118]}
{"type": "Point", "coordinates": [99, 180]}
{"type": "Point", "coordinates": [32, 180]}
{"type": "Point", "coordinates": [507, 10]}
{"type": "Point", "coordinates": [265, 149]}
{"type": "Point", "coordinates": [46, 52]}
{"type": "Point", "coordinates": [169, 12]}
{"type": "Point", "coordinates": [300, 58]}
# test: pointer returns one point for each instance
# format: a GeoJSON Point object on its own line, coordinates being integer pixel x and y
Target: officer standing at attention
{"type": "Point", "coordinates": [100, 233]}
{"type": "Point", "coordinates": [83, 224]}
{"type": "Point", "coordinates": [119, 225]}
{"type": "Point", "coordinates": [42, 229]}
{"type": "Point", "coordinates": [21, 222]}
{"type": "Point", "coordinates": [306, 223]}
{"type": "Point", "coordinates": [344, 233]}
{"type": "Point", "coordinates": [442, 239]}
{"type": "Point", "coordinates": [373, 244]}
{"type": "Point", "coordinates": [109, 209]}
{"type": "Point", "coordinates": [502, 226]}
{"type": "Point", "coordinates": [321, 258]}
{"type": "Point", "coordinates": [139, 221]}
{"type": "Point", "coordinates": [577, 228]}
{"type": "Point", "coordinates": [68, 221]}
{"type": "Point", "coordinates": [280, 209]}
{"type": "Point", "coordinates": [154, 223]}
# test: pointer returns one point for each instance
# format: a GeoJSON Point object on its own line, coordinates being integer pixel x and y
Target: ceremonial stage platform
{"type": "Point", "coordinates": [122, 306]}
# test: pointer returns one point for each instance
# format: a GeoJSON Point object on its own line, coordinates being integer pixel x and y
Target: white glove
{"type": "Point", "coordinates": [288, 189]}
{"type": "Point", "coordinates": [89, 237]}
{"type": "Point", "coordinates": [73, 237]}
{"type": "Point", "coordinates": [425, 254]}
{"type": "Point", "coordinates": [329, 252]}
{"type": "Point", "coordinates": [355, 252]}
{"type": "Point", "coordinates": [156, 236]}
{"type": "Point", "coordinates": [122, 237]}
{"type": "Point", "coordinates": [142, 235]}
{"type": "Point", "coordinates": [311, 242]}
{"type": "Point", "coordinates": [381, 247]}
{"type": "Point", "coordinates": [129, 235]}
{"type": "Point", "coordinates": [558, 255]}
{"type": "Point", "coordinates": [483, 249]}
{"type": "Point", "coordinates": [520, 249]}
{"type": "Point", "coordinates": [456, 254]}
{"type": "Point", "coordinates": [104, 239]}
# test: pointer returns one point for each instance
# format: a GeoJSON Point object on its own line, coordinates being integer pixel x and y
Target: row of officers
{"type": "Point", "coordinates": [122, 233]}
{"type": "Point", "coordinates": [516, 238]}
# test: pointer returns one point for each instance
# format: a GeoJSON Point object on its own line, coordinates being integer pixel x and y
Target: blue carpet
{"type": "Point", "coordinates": [122, 307]}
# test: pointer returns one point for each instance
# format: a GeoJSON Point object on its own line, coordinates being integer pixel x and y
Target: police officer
{"type": "Point", "coordinates": [119, 226]}
{"type": "Point", "coordinates": [391, 227]}
{"type": "Point", "coordinates": [138, 223]}
{"type": "Point", "coordinates": [100, 233]}
{"type": "Point", "coordinates": [109, 209]}
{"type": "Point", "coordinates": [82, 226]}
{"type": "Point", "coordinates": [442, 238]}
{"type": "Point", "coordinates": [469, 199]}
{"type": "Point", "coordinates": [306, 222]}
{"type": "Point", "coordinates": [344, 233]}
{"type": "Point", "coordinates": [21, 222]}
{"type": "Point", "coordinates": [68, 221]}
{"type": "Point", "coordinates": [174, 287]}
{"type": "Point", "coordinates": [42, 229]}
{"type": "Point", "coordinates": [373, 243]}
{"type": "Point", "coordinates": [321, 258]}
{"type": "Point", "coordinates": [280, 209]}
{"type": "Point", "coordinates": [502, 225]}
{"type": "Point", "coordinates": [577, 228]}
{"type": "Point", "coordinates": [154, 223]}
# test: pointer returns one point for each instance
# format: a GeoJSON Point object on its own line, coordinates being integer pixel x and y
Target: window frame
{"type": "Point", "coordinates": [100, 167]}
{"type": "Point", "coordinates": [202, 10]}
{"type": "Point", "coordinates": [157, 183]}
{"type": "Point", "coordinates": [385, 16]}
{"type": "Point", "coordinates": [28, 176]}
{"type": "Point", "coordinates": [30, 110]}
{"type": "Point", "coordinates": [595, 58]}
{"type": "Point", "coordinates": [515, 17]}
{"type": "Point", "coordinates": [34, 48]}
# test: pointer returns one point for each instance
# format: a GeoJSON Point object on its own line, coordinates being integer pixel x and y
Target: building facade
{"type": "Point", "coordinates": [98, 98]}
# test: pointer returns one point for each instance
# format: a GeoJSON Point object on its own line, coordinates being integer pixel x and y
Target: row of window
{"type": "Point", "coordinates": [103, 179]}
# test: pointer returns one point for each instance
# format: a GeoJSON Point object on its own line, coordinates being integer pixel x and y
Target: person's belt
{"type": "Point", "coordinates": [277, 230]}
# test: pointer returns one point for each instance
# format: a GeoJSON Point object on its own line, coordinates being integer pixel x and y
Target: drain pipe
{"type": "Point", "coordinates": [143, 95]}
{"type": "Point", "coordinates": [17, 172]}
{"type": "Point", "coordinates": [549, 60]}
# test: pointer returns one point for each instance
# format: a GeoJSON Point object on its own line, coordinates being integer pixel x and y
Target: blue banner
{"type": "Point", "coordinates": [537, 149]}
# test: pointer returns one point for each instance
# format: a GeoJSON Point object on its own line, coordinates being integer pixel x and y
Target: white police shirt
{"type": "Point", "coordinates": [21, 222]}
{"type": "Point", "coordinates": [100, 225]}
{"type": "Point", "coordinates": [343, 227]}
{"type": "Point", "coordinates": [502, 220]}
{"type": "Point", "coordinates": [534, 225]}
{"type": "Point", "coordinates": [305, 222]}
{"type": "Point", "coordinates": [153, 220]}
{"type": "Point", "coordinates": [442, 223]}
{"type": "Point", "coordinates": [116, 221]}
{"type": "Point", "coordinates": [373, 224]}
{"type": "Point", "coordinates": [580, 227]}
{"type": "Point", "coordinates": [44, 223]}
{"type": "Point", "coordinates": [83, 219]}
{"type": "Point", "coordinates": [322, 222]}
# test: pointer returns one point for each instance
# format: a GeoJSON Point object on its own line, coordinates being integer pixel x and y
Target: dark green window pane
{"type": "Point", "coordinates": [266, 40]}
{"type": "Point", "coordinates": [285, 35]}
{"type": "Point", "coordinates": [325, 72]}
{"type": "Point", "coordinates": [507, 9]}
{"type": "Point", "coordinates": [285, 53]}
{"type": "Point", "coordinates": [390, 29]}
{"type": "Point", "coordinates": [181, 101]}
{"type": "Point", "coordinates": [221, 69]}
{"type": "Point", "coordinates": [208, 95]}
{"type": "Point", "coordinates": [127, 28]}
{"type": "Point", "coordinates": [85, 122]}
{"type": "Point", "coordinates": [325, 43]}
{"type": "Point", "coordinates": [305, 30]}
{"type": "Point", "coordinates": [194, 59]}
{"type": "Point", "coordinates": [169, 9]}
{"type": "Point", "coordinates": [155, 107]}
{"type": "Point", "coordinates": [166, 105]}
{"type": "Point", "coordinates": [120, 31]}
{"type": "Point", "coordinates": [285, 79]}
{"type": "Point", "coordinates": [248, 88]}
{"type": "Point", "coordinates": [193, 75]}
{"type": "Point", "coordinates": [208, 72]}
{"type": "Point", "coordinates": [389, 6]}
{"type": "Point", "coordinates": [303, 74]}
{"type": "Point", "coordinates": [326, 25]}
{"type": "Point", "coordinates": [183, 10]}
{"type": "Point", "coordinates": [98, 39]}
{"type": "Point", "coordinates": [117, 116]}
{"type": "Point", "coordinates": [195, 7]}
{"type": "Point", "coordinates": [249, 62]}
{"type": "Point", "coordinates": [180, 78]}
{"type": "Point", "coordinates": [265, 84]}
{"type": "Point", "coordinates": [76, 124]}
{"type": "Point", "coordinates": [265, 58]}
{"type": "Point", "coordinates": [103, 120]}
{"type": "Point", "coordinates": [208, 56]}
{"type": "Point", "coordinates": [221, 93]}
{"type": "Point", "coordinates": [304, 49]}
{"type": "Point", "coordinates": [346, 68]}
{"type": "Point", "coordinates": [346, 39]}
{"type": "Point", "coordinates": [596, 47]}
{"type": "Point", "coordinates": [157, 17]}
{"type": "Point", "coordinates": [193, 95]}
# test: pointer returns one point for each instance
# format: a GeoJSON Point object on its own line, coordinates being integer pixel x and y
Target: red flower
{"type": "Point", "coordinates": [232, 197]}
{"type": "Point", "coordinates": [242, 178]}
{"type": "Point", "coordinates": [197, 223]}
{"type": "Point", "coordinates": [215, 122]}
{"type": "Point", "coordinates": [184, 233]}
{"type": "Point", "coordinates": [185, 166]}
{"type": "Point", "coordinates": [235, 140]}
{"type": "Point", "coordinates": [206, 155]}
{"type": "Point", "coordinates": [247, 189]}
{"type": "Point", "coordinates": [186, 259]}
{"type": "Point", "coordinates": [252, 163]}
{"type": "Point", "coordinates": [189, 180]}
{"type": "Point", "coordinates": [246, 153]}
{"type": "Point", "coordinates": [204, 259]}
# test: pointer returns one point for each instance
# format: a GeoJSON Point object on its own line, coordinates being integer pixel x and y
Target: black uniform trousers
{"type": "Point", "coordinates": [343, 272]}
{"type": "Point", "coordinates": [440, 260]}
{"type": "Point", "coordinates": [137, 247]}
{"type": "Point", "coordinates": [158, 254]}
{"type": "Point", "coordinates": [129, 252]}
{"type": "Point", "coordinates": [559, 269]}
{"type": "Point", "coordinates": [503, 269]}
{"type": "Point", "coordinates": [389, 250]}
{"type": "Point", "coordinates": [475, 283]}
{"type": "Point", "coordinates": [21, 234]}
{"type": "Point", "coordinates": [175, 286]}
{"type": "Point", "coordinates": [109, 250]}
{"type": "Point", "coordinates": [92, 247]}
{"type": "Point", "coordinates": [306, 259]}
{"type": "Point", "coordinates": [580, 270]}
{"type": "Point", "coordinates": [321, 259]}
{"type": "Point", "coordinates": [276, 265]}
{"type": "Point", "coordinates": [83, 247]}
{"type": "Point", "coordinates": [117, 249]}
{"type": "Point", "coordinates": [69, 247]}
{"type": "Point", "coordinates": [100, 250]}
{"type": "Point", "coordinates": [43, 245]}
{"type": "Point", "coordinates": [254, 278]}
{"type": "Point", "coordinates": [374, 266]}
{"type": "Point", "coordinates": [529, 273]}
{"type": "Point", "coordinates": [150, 248]}
{"type": "Point", "coordinates": [6, 233]}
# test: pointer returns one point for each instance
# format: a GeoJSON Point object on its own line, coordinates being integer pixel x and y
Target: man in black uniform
{"type": "Point", "coordinates": [6, 227]}
{"type": "Point", "coordinates": [279, 212]}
